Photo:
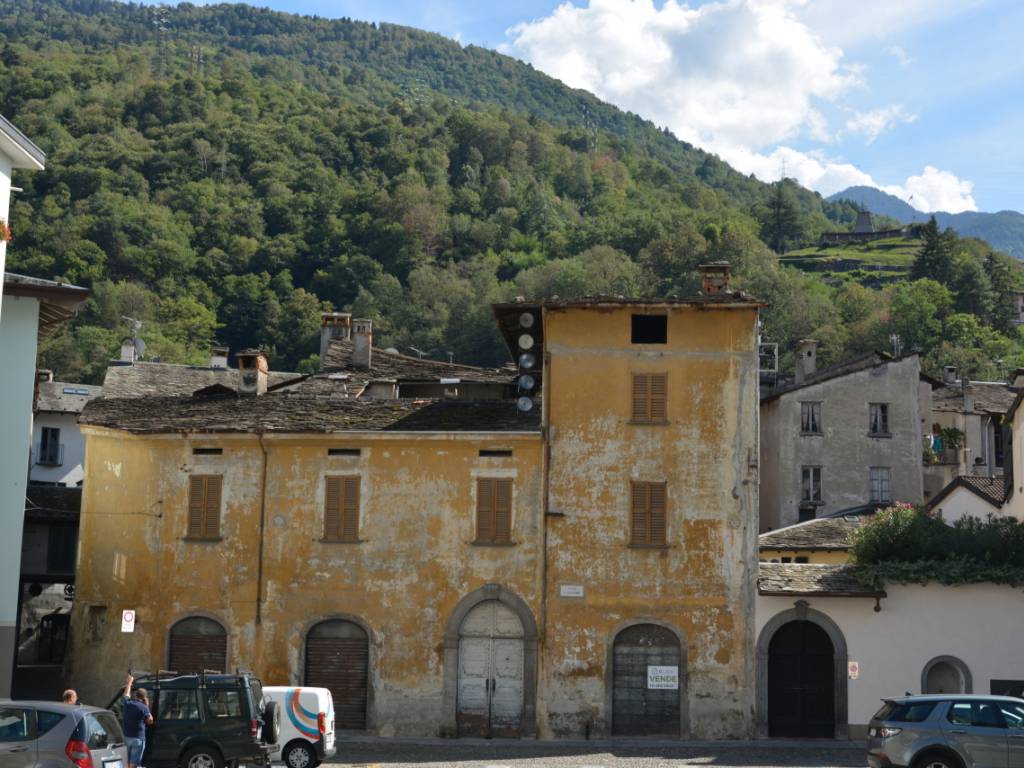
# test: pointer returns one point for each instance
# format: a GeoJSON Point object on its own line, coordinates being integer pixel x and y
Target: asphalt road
{"type": "Point", "coordinates": [397, 754]}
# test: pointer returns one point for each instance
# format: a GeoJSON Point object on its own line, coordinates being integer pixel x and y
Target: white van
{"type": "Point", "coordinates": [307, 725]}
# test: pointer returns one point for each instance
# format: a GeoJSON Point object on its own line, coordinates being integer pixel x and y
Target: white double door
{"type": "Point", "coordinates": [490, 692]}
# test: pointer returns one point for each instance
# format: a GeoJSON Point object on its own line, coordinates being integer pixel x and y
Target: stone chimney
{"type": "Point", "coordinates": [806, 359]}
{"type": "Point", "coordinates": [219, 357]}
{"type": "Point", "coordinates": [362, 343]}
{"type": "Point", "coordinates": [1017, 378]}
{"type": "Point", "coordinates": [252, 372]}
{"type": "Point", "coordinates": [714, 277]}
{"type": "Point", "coordinates": [949, 374]}
{"type": "Point", "coordinates": [44, 375]}
{"type": "Point", "coordinates": [333, 325]}
{"type": "Point", "coordinates": [127, 352]}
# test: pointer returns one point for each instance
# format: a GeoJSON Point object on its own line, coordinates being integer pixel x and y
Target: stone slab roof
{"type": "Point", "coordinates": [990, 489]}
{"type": "Point", "coordinates": [826, 533]}
{"type": "Point", "coordinates": [989, 397]}
{"type": "Point", "coordinates": [796, 579]}
{"type": "Point", "coordinates": [844, 368]}
{"type": "Point", "coordinates": [62, 397]}
{"type": "Point", "coordinates": [392, 365]}
{"type": "Point", "coordinates": [57, 301]}
{"type": "Point", "coordinates": [284, 412]}
{"type": "Point", "coordinates": [142, 379]}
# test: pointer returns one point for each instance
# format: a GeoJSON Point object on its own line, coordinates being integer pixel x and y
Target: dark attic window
{"type": "Point", "coordinates": [495, 453]}
{"type": "Point", "coordinates": [650, 329]}
{"type": "Point", "coordinates": [207, 451]}
{"type": "Point", "coordinates": [343, 451]}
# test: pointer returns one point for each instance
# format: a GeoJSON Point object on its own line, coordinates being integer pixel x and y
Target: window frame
{"type": "Point", "coordinates": [886, 430]}
{"type": "Point", "coordinates": [813, 469]}
{"type": "Point", "coordinates": [813, 408]}
{"type": "Point", "coordinates": [652, 493]}
{"type": "Point", "coordinates": [490, 528]}
{"type": "Point", "coordinates": [349, 502]}
{"type": "Point", "coordinates": [30, 724]}
{"type": "Point", "coordinates": [204, 531]}
{"type": "Point", "coordinates": [645, 406]}
{"type": "Point", "coordinates": [886, 479]}
{"type": "Point", "coordinates": [49, 447]}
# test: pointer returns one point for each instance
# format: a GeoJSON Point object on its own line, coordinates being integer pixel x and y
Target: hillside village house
{"type": "Point", "coordinates": [841, 436]}
{"type": "Point", "coordinates": [451, 550]}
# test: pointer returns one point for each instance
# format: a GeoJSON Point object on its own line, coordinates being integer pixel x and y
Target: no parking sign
{"type": "Point", "coordinates": [128, 621]}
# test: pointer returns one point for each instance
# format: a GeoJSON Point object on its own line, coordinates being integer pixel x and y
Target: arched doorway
{"type": "Point", "coordinates": [646, 682]}
{"type": "Point", "coordinates": [338, 658]}
{"type": "Point", "coordinates": [801, 691]}
{"type": "Point", "coordinates": [945, 674]}
{"type": "Point", "coordinates": [489, 698]}
{"type": "Point", "coordinates": [197, 643]}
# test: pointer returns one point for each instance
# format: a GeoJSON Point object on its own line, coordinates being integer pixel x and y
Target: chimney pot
{"type": "Point", "coordinates": [333, 325]}
{"type": "Point", "coordinates": [127, 352]}
{"type": "Point", "coordinates": [252, 372]}
{"type": "Point", "coordinates": [362, 343]}
{"type": "Point", "coordinates": [714, 277]}
{"type": "Point", "coordinates": [806, 359]}
{"type": "Point", "coordinates": [949, 374]}
{"type": "Point", "coordinates": [219, 357]}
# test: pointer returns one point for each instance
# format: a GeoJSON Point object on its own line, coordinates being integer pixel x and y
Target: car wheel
{"type": "Point", "coordinates": [202, 757]}
{"type": "Point", "coordinates": [299, 755]}
{"type": "Point", "coordinates": [936, 760]}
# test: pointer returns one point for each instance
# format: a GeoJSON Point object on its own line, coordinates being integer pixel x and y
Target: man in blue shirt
{"type": "Point", "coordinates": [136, 717]}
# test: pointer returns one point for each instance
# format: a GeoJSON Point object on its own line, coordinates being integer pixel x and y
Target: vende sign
{"type": "Point", "coordinates": [663, 678]}
{"type": "Point", "coordinates": [128, 621]}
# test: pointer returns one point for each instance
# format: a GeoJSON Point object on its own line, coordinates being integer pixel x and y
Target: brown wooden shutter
{"type": "Point", "coordinates": [212, 507]}
{"type": "Point", "coordinates": [648, 514]}
{"type": "Point", "coordinates": [196, 498]}
{"type": "Point", "coordinates": [656, 512]}
{"type": "Point", "coordinates": [332, 509]}
{"type": "Point", "coordinates": [640, 397]}
{"type": "Point", "coordinates": [485, 509]}
{"type": "Point", "coordinates": [503, 510]}
{"type": "Point", "coordinates": [350, 509]}
{"type": "Point", "coordinates": [638, 531]}
{"type": "Point", "coordinates": [658, 386]}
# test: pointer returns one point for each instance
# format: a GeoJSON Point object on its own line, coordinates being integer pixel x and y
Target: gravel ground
{"type": "Point", "coordinates": [479, 754]}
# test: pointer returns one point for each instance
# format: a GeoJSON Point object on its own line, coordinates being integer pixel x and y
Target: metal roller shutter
{"type": "Point", "coordinates": [194, 653]}
{"type": "Point", "coordinates": [341, 664]}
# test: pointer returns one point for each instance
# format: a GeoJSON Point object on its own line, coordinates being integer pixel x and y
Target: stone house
{"type": "Point", "coordinates": [452, 550]}
{"type": "Point", "coordinates": [841, 437]}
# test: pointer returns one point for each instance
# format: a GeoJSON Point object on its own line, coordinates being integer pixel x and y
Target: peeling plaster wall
{"type": "Point", "coordinates": [702, 583]}
{"type": "Point", "coordinates": [414, 562]}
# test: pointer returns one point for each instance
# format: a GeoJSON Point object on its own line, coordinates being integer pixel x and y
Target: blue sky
{"type": "Point", "coordinates": [923, 98]}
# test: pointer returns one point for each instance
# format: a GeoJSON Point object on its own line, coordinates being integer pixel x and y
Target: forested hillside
{"type": "Point", "coordinates": [224, 173]}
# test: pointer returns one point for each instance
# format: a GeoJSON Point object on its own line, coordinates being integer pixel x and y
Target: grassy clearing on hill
{"type": "Point", "coordinates": [891, 252]}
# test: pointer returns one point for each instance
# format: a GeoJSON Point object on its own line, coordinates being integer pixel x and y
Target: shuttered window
{"type": "Point", "coordinates": [204, 506]}
{"type": "Point", "coordinates": [493, 510]}
{"type": "Point", "coordinates": [649, 398]}
{"type": "Point", "coordinates": [647, 519]}
{"type": "Point", "coordinates": [341, 509]}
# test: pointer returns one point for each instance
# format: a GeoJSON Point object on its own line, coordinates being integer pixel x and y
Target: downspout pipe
{"type": "Point", "coordinates": [262, 531]}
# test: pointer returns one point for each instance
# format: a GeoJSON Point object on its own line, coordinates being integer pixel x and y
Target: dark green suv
{"type": "Point", "coordinates": [206, 720]}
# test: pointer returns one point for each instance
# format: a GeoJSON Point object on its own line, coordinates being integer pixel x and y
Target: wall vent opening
{"type": "Point", "coordinates": [344, 451]}
{"type": "Point", "coordinates": [650, 329]}
{"type": "Point", "coordinates": [495, 453]}
{"type": "Point", "coordinates": [207, 451]}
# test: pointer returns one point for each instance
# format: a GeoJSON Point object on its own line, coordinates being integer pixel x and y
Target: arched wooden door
{"type": "Point", "coordinates": [197, 643]}
{"type": "Point", "coordinates": [489, 698]}
{"type": "Point", "coordinates": [646, 682]}
{"type": "Point", "coordinates": [801, 681]}
{"type": "Point", "coordinates": [338, 658]}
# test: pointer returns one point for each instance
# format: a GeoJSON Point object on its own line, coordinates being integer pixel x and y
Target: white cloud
{"type": "Point", "coordinates": [874, 122]}
{"type": "Point", "coordinates": [903, 58]}
{"type": "Point", "coordinates": [936, 190]}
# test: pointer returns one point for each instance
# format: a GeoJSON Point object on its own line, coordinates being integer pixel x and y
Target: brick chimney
{"type": "Point", "coordinates": [714, 277]}
{"type": "Point", "coordinates": [333, 325]}
{"type": "Point", "coordinates": [127, 352]}
{"type": "Point", "coordinates": [806, 359]}
{"type": "Point", "coordinates": [362, 343]}
{"type": "Point", "coordinates": [949, 374]}
{"type": "Point", "coordinates": [219, 357]}
{"type": "Point", "coordinates": [252, 372]}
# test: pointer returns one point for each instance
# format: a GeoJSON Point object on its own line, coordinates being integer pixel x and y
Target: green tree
{"type": "Point", "coordinates": [935, 259]}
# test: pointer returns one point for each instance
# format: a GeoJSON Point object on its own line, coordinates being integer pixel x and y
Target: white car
{"type": "Point", "coordinates": [307, 725]}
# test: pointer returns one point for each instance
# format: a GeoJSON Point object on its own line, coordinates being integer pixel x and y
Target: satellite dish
{"type": "Point", "coordinates": [527, 360]}
{"type": "Point", "coordinates": [525, 404]}
{"type": "Point", "coordinates": [140, 347]}
{"type": "Point", "coordinates": [526, 381]}
{"type": "Point", "coordinates": [526, 320]}
{"type": "Point", "coordinates": [525, 341]}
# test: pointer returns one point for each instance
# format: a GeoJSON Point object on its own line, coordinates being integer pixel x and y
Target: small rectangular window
{"type": "Point", "coordinates": [802, 559]}
{"type": "Point", "coordinates": [650, 329]}
{"type": "Point", "coordinates": [650, 398]}
{"type": "Point", "coordinates": [341, 509]}
{"type": "Point", "coordinates": [344, 451]}
{"type": "Point", "coordinates": [879, 419]}
{"type": "Point", "coordinates": [1013, 688]}
{"type": "Point", "coordinates": [177, 705]}
{"type": "Point", "coordinates": [880, 480]}
{"type": "Point", "coordinates": [204, 506]}
{"type": "Point", "coordinates": [49, 447]}
{"type": "Point", "coordinates": [647, 515]}
{"type": "Point", "coordinates": [207, 451]}
{"type": "Point", "coordinates": [493, 510]}
{"type": "Point", "coordinates": [224, 704]}
{"type": "Point", "coordinates": [810, 484]}
{"type": "Point", "coordinates": [810, 418]}
{"type": "Point", "coordinates": [494, 454]}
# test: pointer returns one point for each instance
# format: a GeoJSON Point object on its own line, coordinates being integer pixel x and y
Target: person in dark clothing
{"type": "Point", "coordinates": [136, 717]}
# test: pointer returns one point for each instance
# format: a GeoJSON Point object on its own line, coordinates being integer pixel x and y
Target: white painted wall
{"type": "Point", "coordinates": [70, 470]}
{"type": "Point", "coordinates": [963, 503]}
{"type": "Point", "coordinates": [981, 624]}
{"type": "Point", "coordinates": [18, 332]}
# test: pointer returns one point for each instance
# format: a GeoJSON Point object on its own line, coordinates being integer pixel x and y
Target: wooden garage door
{"type": "Point", "coordinates": [196, 644]}
{"type": "Point", "coordinates": [801, 679]}
{"type": "Point", "coordinates": [644, 703]}
{"type": "Point", "coordinates": [491, 667]}
{"type": "Point", "coordinates": [338, 658]}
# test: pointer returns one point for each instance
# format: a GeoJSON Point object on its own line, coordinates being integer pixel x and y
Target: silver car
{"type": "Point", "coordinates": [47, 734]}
{"type": "Point", "coordinates": [948, 731]}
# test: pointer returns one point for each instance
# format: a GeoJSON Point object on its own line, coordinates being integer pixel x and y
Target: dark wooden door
{"type": "Point", "coordinates": [801, 682]}
{"type": "Point", "coordinates": [638, 709]}
{"type": "Point", "coordinates": [338, 658]}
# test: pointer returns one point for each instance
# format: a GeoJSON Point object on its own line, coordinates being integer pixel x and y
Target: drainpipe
{"type": "Point", "coordinates": [263, 515]}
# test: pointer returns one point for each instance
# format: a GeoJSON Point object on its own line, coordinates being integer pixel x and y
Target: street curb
{"type": "Point", "coordinates": [434, 741]}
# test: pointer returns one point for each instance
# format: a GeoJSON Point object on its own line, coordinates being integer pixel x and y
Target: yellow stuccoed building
{"type": "Point", "coordinates": [451, 550]}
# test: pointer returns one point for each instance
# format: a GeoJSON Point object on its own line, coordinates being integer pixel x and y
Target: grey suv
{"type": "Point", "coordinates": [948, 731]}
{"type": "Point", "coordinates": [45, 734]}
